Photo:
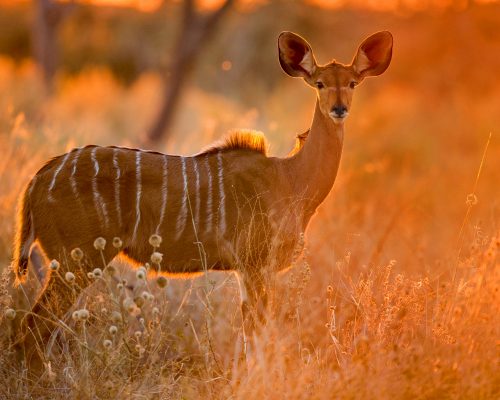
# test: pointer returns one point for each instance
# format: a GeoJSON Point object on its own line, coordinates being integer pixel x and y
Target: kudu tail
{"type": "Point", "coordinates": [24, 238]}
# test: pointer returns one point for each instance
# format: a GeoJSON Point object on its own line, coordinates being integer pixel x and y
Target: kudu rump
{"type": "Point", "coordinates": [228, 208]}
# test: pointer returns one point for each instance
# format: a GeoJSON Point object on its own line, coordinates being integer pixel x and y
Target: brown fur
{"type": "Point", "coordinates": [230, 207]}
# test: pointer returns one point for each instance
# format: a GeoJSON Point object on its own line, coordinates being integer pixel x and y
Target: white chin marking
{"type": "Point", "coordinates": [338, 120]}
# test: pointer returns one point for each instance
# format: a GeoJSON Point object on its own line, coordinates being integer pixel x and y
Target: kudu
{"type": "Point", "coordinates": [228, 208]}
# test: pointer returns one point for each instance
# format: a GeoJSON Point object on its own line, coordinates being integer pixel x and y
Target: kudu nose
{"type": "Point", "coordinates": [339, 111]}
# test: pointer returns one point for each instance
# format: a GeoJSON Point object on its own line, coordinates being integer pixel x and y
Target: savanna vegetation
{"type": "Point", "coordinates": [396, 294]}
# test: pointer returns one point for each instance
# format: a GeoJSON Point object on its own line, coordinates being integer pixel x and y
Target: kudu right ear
{"type": "Point", "coordinates": [296, 56]}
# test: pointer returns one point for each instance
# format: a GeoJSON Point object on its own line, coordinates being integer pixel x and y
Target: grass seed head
{"type": "Point", "coordinates": [107, 344]}
{"type": "Point", "coordinates": [75, 315]}
{"type": "Point", "coordinates": [156, 257]}
{"type": "Point", "coordinates": [129, 305]}
{"type": "Point", "coordinates": [112, 330]}
{"type": "Point", "coordinates": [69, 276]}
{"type": "Point", "coordinates": [155, 240]}
{"type": "Point", "coordinates": [10, 313]}
{"type": "Point", "coordinates": [141, 273]}
{"type": "Point", "coordinates": [54, 265]}
{"type": "Point", "coordinates": [162, 282]}
{"type": "Point", "coordinates": [116, 317]}
{"type": "Point", "coordinates": [110, 270]}
{"type": "Point", "coordinates": [83, 314]}
{"type": "Point", "coordinates": [97, 272]}
{"type": "Point", "coordinates": [77, 254]}
{"type": "Point", "coordinates": [100, 243]}
{"type": "Point", "coordinates": [117, 243]}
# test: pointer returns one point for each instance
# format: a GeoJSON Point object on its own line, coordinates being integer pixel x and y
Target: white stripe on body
{"type": "Point", "coordinates": [58, 170]}
{"type": "Point", "coordinates": [208, 227]}
{"type": "Point", "coordinates": [72, 179]}
{"type": "Point", "coordinates": [222, 196]}
{"type": "Point", "coordinates": [99, 203]}
{"type": "Point", "coordinates": [164, 192]}
{"type": "Point", "coordinates": [198, 199]}
{"type": "Point", "coordinates": [182, 217]}
{"type": "Point", "coordinates": [117, 186]}
{"type": "Point", "coordinates": [138, 194]}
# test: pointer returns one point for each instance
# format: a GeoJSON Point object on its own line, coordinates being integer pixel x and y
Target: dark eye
{"type": "Point", "coordinates": [353, 84]}
{"type": "Point", "coordinates": [320, 85]}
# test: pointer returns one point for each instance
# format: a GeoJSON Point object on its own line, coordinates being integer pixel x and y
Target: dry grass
{"type": "Point", "coordinates": [390, 302]}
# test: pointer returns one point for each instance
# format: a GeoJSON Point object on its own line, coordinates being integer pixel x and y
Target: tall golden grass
{"type": "Point", "coordinates": [396, 296]}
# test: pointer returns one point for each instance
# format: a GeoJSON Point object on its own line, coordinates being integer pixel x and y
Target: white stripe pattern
{"type": "Point", "coordinates": [209, 196]}
{"type": "Point", "coordinates": [197, 204]}
{"type": "Point", "coordinates": [138, 193]}
{"type": "Point", "coordinates": [181, 219]}
{"type": "Point", "coordinates": [117, 186]}
{"type": "Point", "coordinates": [72, 179]}
{"type": "Point", "coordinates": [99, 203]}
{"type": "Point", "coordinates": [222, 196]}
{"type": "Point", "coordinates": [58, 170]}
{"type": "Point", "coordinates": [164, 192]}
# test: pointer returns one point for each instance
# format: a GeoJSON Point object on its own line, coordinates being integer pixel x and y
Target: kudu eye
{"type": "Point", "coordinates": [320, 85]}
{"type": "Point", "coordinates": [353, 84]}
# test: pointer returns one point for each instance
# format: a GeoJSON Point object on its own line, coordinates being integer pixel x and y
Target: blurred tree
{"type": "Point", "coordinates": [48, 17]}
{"type": "Point", "coordinates": [196, 30]}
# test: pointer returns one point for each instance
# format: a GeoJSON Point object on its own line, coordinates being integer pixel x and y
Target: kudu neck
{"type": "Point", "coordinates": [314, 167]}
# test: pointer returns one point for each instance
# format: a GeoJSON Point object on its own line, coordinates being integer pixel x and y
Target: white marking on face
{"type": "Point", "coordinates": [117, 186]}
{"type": "Point", "coordinates": [58, 170]}
{"type": "Point", "coordinates": [181, 219]}
{"type": "Point", "coordinates": [222, 196]}
{"type": "Point", "coordinates": [197, 204]}
{"type": "Point", "coordinates": [164, 193]}
{"type": "Point", "coordinates": [209, 196]}
{"type": "Point", "coordinates": [99, 203]}
{"type": "Point", "coordinates": [138, 194]}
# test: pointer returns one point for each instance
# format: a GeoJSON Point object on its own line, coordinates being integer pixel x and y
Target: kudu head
{"type": "Point", "coordinates": [335, 82]}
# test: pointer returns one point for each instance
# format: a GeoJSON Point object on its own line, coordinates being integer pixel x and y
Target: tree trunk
{"type": "Point", "coordinates": [196, 31]}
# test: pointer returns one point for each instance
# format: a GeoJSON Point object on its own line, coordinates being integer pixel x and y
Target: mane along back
{"type": "Point", "coordinates": [240, 140]}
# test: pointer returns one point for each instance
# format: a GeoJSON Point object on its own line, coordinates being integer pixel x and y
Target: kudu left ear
{"type": "Point", "coordinates": [296, 55]}
{"type": "Point", "coordinates": [374, 54]}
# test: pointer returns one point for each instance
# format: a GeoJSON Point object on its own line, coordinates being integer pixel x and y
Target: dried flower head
{"type": "Point", "coordinates": [90, 275]}
{"type": "Point", "coordinates": [10, 313]}
{"type": "Point", "coordinates": [107, 344]}
{"type": "Point", "coordinates": [116, 317]}
{"type": "Point", "coordinates": [139, 301]}
{"type": "Point", "coordinates": [119, 286]}
{"type": "Point", "coordinates": [112, 330]}
{"type": "Point", "coordinates": [83, 314]}
{"type": "Point", "coordinates": [161, 281]}
{"type": "Point", "coordinates": [155, 311]}
{"type": "Point", "coordinates": [100, 243]}
{"type": "Point", "coordinates": [75, 315]}
{"type": "Point", "coordinates": [117, 243]}
{"type": "Point", "coordinates": [97, 272]}
{"type": "Point", "coordinates": [141, 273]}
{"type": "Point", "coordinates": [54, 265]}
{"type": "Point", "coordinates": [129, 305]}
{"type": "Point", "coordinates": [110, 270]}
{"type": "Point", "coordinates": [69, 276]}
{"type": "Point", "coordinates": [77, 254]}
{"type": "Point", "coordinates": [156, 258]}
{"type": "Point", "coordinates": [137, 334]}
{"type": "Point", "coordinates": [155, 240]}
{"type": "Point", "coordinates": [471, 199]}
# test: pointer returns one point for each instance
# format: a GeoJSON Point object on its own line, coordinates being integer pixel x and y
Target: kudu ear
{"type": "Point", "coordinates": [374, 54]}
{"type": "Point", "coordinates": [296, 56]}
